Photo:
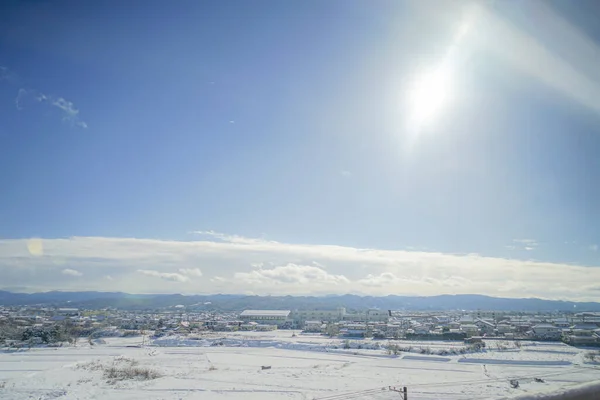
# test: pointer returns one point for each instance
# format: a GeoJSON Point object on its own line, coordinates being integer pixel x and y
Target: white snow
{"type": "Point", "coordinates": [585, 391]}
{"type": "Point", "coordinates": [302, 367]}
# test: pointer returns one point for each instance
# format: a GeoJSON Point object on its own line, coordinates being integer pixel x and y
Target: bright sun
{"type": "Point", "coordinates": [428, 95]}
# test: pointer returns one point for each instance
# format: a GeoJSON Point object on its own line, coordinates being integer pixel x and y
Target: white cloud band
{"type": "Point", "coordinates": [233, 264]}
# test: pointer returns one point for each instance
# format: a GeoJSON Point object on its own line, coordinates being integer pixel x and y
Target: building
{"type": "Point", "coordinates": [354, 330]}
{"type": "Point", "coordinates": [486, 327]}
{"type": "Point", "coordinates": [250, 326]}
{"type": "Point", "coordinates": [503, 329]}
{"type": "Point", "coordinates": [470, 329]}
{"type": "Point", "coordinates": [313, 326]}
{"type": "Point", "coordinates": [280, 318]}
{"type": "Point", "coordinates": [561, 322]}
{"type": "Point", "coordinates": [301, 316]}
{"type": "Point", "coordinates": [265, 327]}
{"type": "Point", "coordinates": [393, 330]}
{"type": "Point", "coordinates": [483, 314]}
{"type": "Point", "coordinates": [583, 329]}
{"type": "Point", "coordinates": [474, 340]}
{"type": "Point", "coordinates": [582, 340]}
{"type": "Point", "coordinates": [581, 334]}
{"type": "Point", "coordinates": [587, 318]}
{"type": "Point", "coordinates": [376, 315]}
{"type": "Point", "coordinates": [371, 315]}
{"type": "Point", "coordinates": [546, 331]}
{"type": "Point", "coordinates": [69, 312]}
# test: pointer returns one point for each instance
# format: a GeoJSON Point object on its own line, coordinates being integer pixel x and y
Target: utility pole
{"type": "Point", "coordinates": [403, 392]}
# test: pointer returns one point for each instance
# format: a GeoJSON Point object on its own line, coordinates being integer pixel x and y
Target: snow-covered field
{"type": "Point", "coordinates": [302, 367]}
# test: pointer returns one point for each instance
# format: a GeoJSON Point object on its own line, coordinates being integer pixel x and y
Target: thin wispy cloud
{"type": "Point", "coordinates": [26, 97]}
{"type": "Point", "coordinates": [593, 247]}
{"type": "Point", "coordinates": [70, 114]}
{"type": "Point", "coordinates": [169, 276]}
{"type": "Point", "coordinates": [346, 173]}
{"type": "Point", "coordinates": [191, 272]}
{"type": "Point", "coordinates": [524, 244]}
{"type": "Point", "coordinates": [7, 75]}
{"type": "Point", "coordinates": [530, 242]}
{"type": "Point", "coordinates": [71, 272]}
{"type": "Point", "coordinates": [19, 98]}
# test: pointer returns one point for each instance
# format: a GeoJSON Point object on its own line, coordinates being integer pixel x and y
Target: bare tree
{"type": "Point", "coordinates": [332, 329]}
{"type": "Point", "coordinates": [143, 333]}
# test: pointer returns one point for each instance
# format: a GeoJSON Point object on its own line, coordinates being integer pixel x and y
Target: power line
{"type": "Point", "coordinates": [351, 395]}
{"type": "Point", "coordinates": [366, 392]}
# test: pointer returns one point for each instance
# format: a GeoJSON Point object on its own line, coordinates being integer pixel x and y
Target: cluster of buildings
{"type": "Point", "coordinates": [298, 318]}
{"type": "Point", "coordinates": [577, 329]}
{"type": "Point", "coordinates": [106, 323]}
{"type": "Point", "coordinates": [574, 328]}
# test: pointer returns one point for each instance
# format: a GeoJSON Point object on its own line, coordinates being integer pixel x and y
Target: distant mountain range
{"type": "Point", "coordinates": [226, 302]}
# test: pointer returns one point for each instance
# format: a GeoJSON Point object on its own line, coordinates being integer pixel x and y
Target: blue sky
{"type": "Point", "coordinates": [294, 123]}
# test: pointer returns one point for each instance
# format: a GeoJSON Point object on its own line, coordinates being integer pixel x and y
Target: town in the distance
{"type": "Point", "coordinates": [31, 324]}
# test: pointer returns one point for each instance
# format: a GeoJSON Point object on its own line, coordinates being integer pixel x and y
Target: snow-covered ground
{"type": "Point", "coordinates": [302, 367]}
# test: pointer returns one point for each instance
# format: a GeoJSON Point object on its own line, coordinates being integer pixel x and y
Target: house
{"type": "Point", "coordinates": [561, 323]}
{"type": "Point", "coordinates": [588, 317]}
{"type": "Point", "coordinates": [354, 330]}
{"type": "Point", "coordinates": [582, 340]}
{"type": "Point", "coordinates": [474, 340]}
{"type": "Point", "coordinates": [523, 327]}
{"type": "Point", "coordinates": [485, 327]}
{"type": "Point", "coordinates": [377, 315]}
{"type": "Point", "coordinates": [220, 326]}
{"type": "Point", "coordinates": [313, 326]}
{"type": "Point", "coordinates": [250, 326]}
{"type": "Point", "coordinates": [454, 325]}
{"type": "Point", "coordinates": [371, 315]}
{"type": "Point", "coordinates": [546, 331]}
{"type": "Point", "coordinates": [420, 330]}
{"type": "Point", "coordinates": [265, 327]}
{"type": "Point", "coordinates": [469, 329]}
{"type": "Point", "coordinates": [438, 330]}
{"type": "Point", "coordinates": [393, 330]}
{"type": "Point", "coordinates": [581, 334]}
{"type": "Point", "coordinates": [505, 328]}
{"type": "Point", "coordinates": [583, 329]}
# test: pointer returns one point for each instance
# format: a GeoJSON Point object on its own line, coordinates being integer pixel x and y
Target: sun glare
{"type": "Point", "coordinates": [428, 95]}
